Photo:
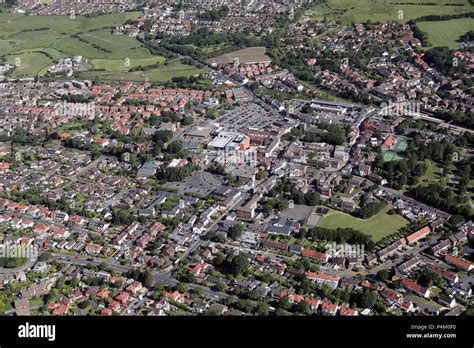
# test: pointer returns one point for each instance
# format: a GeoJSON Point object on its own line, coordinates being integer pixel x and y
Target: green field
{"type": "Point", "coordinates": [246, 55]}
{"type": "Point", "coordinates": [124, 64]}
{"type": "Point", "coordinates": [378, 226]}
{"type": "Point", "coordinates": [445, 33]}
{"type": "Point", "coordinates": [19, 32]}
{"type": "Point", "coordinates": [347, 11]}
{"type": "Point", "coordinates": [37, 41]}
{"type": "Point", "coordinates": [163, 73]}
{"type": "Point", "coordinates": [432, 173]}
{"type": "Point", "coordinates": [29, 64]}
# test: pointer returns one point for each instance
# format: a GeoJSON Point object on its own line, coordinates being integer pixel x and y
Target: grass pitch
{"type": "Point", "coordinates": [445, 33]}
{"type": "Point", "coordinates": [378, 226]}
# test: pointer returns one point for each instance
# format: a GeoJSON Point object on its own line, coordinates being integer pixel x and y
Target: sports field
{"type": "Point", "coordinates": [389, 156]}
{"type": "Point", "coordinates": [347, 11]}
{"type": "Point", "coordinates": [394, 154]}
{"type": "Point", "coordinates": [37, 41]}
{"type": "Point", "coordinates": [445, 33]}
{"type": "Point", "coordinates": [378, 226]}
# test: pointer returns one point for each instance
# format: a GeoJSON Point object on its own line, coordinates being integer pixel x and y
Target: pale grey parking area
{"type": "Point", "coordinates": [298, 212]}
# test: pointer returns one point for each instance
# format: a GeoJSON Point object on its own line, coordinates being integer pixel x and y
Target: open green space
{"type": "Point", "coordinates": [162, 73]}
{"type": "Point", "coordinates": [432, 174]}
{"type": "Point", "coordinates": [421, 301]}
{"type": "Point", "coordinates": [435, 291]}
{"type": "Point", "coordinates": [29, 64]}
{"type": "Point", "coordinates": [445, 33]}
{"type": "Point", "coordinates": [347, 11]}
{"type": "Point", "coordinates": [248, 55]}
{"type": "Point", "coordinates": [38, 41]}
{"type": "Point", "coordinates": [378, 226]}
{"type": "Point", "coordinates": [20, 32]}
{"type": "Point", "coordinates": [124, 64]}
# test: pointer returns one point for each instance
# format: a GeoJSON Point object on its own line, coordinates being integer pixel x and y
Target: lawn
{"type": "Point", "coordinates": [445, 33]}
{"type": "Point", "coordinates": [435, 291]}
{"type": "Point", "coordinates": [385, 10]}
{"type": "Point", "coordinates": [421, 301]}
{"type": "Point", "coordinates": [378, 226]}
{"type": "Point", "coordinates": [432, 173]}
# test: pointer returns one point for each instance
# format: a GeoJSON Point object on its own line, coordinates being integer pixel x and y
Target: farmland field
{"type": "Point", "coordinates": [378, 226]}
{"type": "Point", "coordinates": [38, 41]}
{"type": "Point", "coordinates": [445, 33]}
{"type": "Point", "coordinates": [386, 10]}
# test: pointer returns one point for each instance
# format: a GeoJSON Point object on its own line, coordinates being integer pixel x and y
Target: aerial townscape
{"type": "Point", "coordinates": [236, 158]}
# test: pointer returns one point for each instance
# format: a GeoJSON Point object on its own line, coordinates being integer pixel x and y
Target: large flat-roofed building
{"type": "Point", "coordinates": [247, 211]}
{"type": "Point", "coordinates": [229, 141]}
{"type": "Point", "coordinates": [147, 169]}
{"type": "Point", "coordinates": [199, 133]}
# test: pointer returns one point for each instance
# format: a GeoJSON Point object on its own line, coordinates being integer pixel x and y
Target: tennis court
{"type": "Point", "coordinates": [394, 155]}
{"type": "Point", "coordinates": [389, 156]}
{"type": "Point", "coordinates": [400, 146]}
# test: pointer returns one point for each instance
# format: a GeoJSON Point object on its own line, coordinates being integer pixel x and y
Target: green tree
{"type": "Point", "coordinates": [148, 279]}
{"type": "Point", "coordinates": [261, 308]}
{"type": "Point", "coordinates": [182, 287]}
{"type": "Point", "coordinates": [303, 307]}
{"type": "Point", "coordinates": [236, 231]}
